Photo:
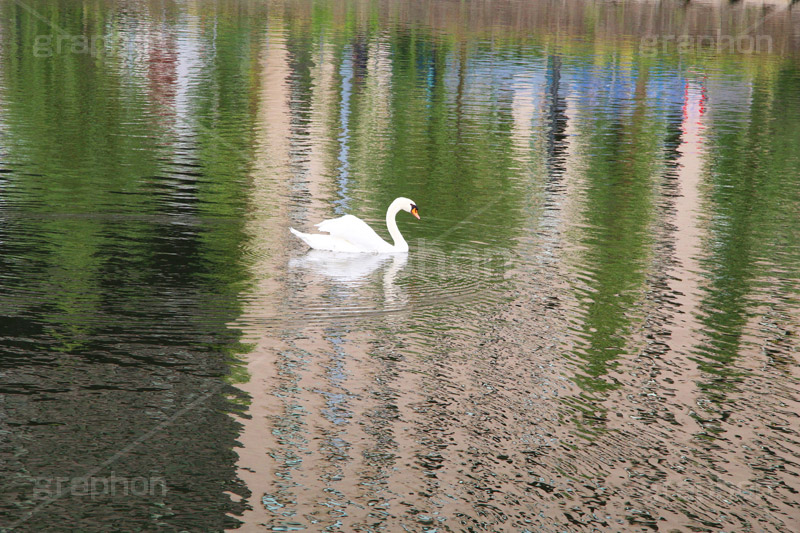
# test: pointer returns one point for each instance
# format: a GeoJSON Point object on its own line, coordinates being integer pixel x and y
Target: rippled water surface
{"type": "Point", "coordinates": [596, 327]}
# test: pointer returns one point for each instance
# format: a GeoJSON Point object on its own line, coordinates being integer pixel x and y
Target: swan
{"type": "Point", "coordinates": [351, 234]}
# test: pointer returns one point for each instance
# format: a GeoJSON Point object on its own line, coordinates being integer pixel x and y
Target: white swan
{"type": "Point", "coordinates": [351, 234]}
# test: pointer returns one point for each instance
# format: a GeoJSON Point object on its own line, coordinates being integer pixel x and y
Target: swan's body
{"type": "Point", "coordinates": [353, 235]}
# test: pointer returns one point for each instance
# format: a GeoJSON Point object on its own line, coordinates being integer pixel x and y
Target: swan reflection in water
{"type": "Point", "coordinates": [350, 271]}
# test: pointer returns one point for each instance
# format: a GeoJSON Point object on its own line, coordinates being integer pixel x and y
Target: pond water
{"type": "Point", "coordinates": [596, 327]}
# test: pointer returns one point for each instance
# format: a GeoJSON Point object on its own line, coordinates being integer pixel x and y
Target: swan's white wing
{"type": "Point", "coordinates": [326, 242]}
{"type": "Point", "coordinates": [355, 231]}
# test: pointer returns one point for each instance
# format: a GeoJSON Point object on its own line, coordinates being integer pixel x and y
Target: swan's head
{"type": "Point", "coordinates": [409, 206]}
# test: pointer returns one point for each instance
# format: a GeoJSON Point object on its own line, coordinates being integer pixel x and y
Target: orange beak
{"type": "Point", "coordinates": [415, 212]}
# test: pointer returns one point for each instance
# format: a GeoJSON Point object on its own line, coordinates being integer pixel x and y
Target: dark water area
{"type": "Point", "coordinates": [595, 329]}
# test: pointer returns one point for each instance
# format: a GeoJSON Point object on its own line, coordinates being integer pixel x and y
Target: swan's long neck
{"type": "Point", "coordinates": [400, 244]}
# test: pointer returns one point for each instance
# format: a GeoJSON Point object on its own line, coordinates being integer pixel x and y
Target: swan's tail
{"type": "Point", "coordinates": [305, 237]}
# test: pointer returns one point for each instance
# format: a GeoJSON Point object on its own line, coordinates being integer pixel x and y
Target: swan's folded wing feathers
{"type": "Point", "coordinates": [354, 230]}
{"type": "Point", "coordinates": [326, 242]}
